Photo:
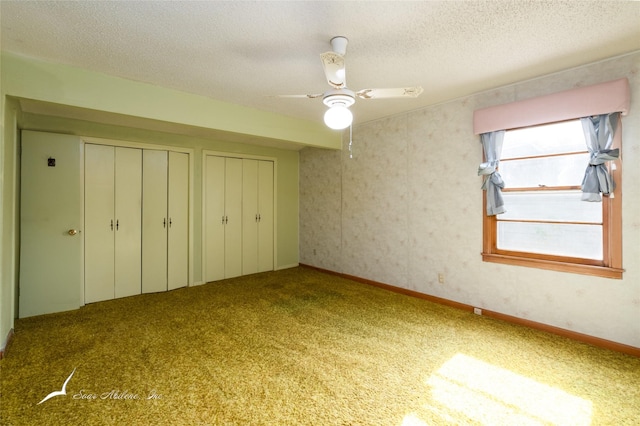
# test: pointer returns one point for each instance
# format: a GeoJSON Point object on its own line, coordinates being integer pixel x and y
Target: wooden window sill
{"type": "Point", "coordinates": [598, 271]}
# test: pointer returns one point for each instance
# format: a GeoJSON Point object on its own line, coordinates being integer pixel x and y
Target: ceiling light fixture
{"type": "Point", "coordinates": [339, 98]}
{"type": "Point", "coordinates": [338, 116]}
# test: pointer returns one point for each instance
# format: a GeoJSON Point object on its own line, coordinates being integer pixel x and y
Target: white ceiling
{"type": "Point", "coordinates": [243, 51]}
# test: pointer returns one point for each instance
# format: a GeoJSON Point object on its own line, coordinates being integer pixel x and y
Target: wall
{"type": "Point", "coordinates": [409, 206]}
{"type": "Point", "coordinates": [8, 217]}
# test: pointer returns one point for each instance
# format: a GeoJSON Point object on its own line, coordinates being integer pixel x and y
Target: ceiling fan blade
{"type": "Point", "coordinates": [312, 96]}
{"type": "Point", "coordinates": [399, 92]}
{"type": "Point", "coordinates": [333, 64]}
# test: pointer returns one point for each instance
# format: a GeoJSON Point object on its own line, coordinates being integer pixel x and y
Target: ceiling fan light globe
{"type": "Point", "coordinates": [338, 117]}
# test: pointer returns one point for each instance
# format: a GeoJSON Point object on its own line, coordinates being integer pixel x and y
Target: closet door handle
{"type": "Point", "coordinates": [164, 222]}
{"type": "Point", "coordinates": [226, 220]}
{"type": "Point", "coordinates": [170, 222]}
{"type": "Point", "coordinates": [112, 224]}
{"type": "Point", "coordinates": [222, 220]}
{"type": "Point", "coordinates": [117, 224]}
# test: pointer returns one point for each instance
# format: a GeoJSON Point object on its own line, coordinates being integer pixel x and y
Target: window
{"type": "Point", "coordinates": [541, 221]}
{"type": "Point", "coordinates": [546, 225]}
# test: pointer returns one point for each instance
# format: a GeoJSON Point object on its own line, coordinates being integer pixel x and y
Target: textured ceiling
{"type": "Point", "coordinates": [243, 52]}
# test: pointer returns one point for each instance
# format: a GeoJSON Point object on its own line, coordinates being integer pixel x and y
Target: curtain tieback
{"type": "Point", "coordinates": [600, 157]}
{"type": "Point", "coordinates": [490, 173]}
{"type": "Point", "coordinates": [597, 179]}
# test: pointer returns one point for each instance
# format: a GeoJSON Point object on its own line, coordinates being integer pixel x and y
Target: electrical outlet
{"type": "Point", "coordinates": [477, 311]}
{"type": "Point", "coordinates": [441, 278]}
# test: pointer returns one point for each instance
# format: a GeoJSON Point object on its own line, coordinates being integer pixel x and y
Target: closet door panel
{"type": "Point", "coordinates": [128, 217]}
{"type": "Point", "coordinates": [178, 232]}
{"type": "Point", "coordinates": [99, 223]}
{"type": "Point", "coordinates": [214, 218]}
{"type": "Point", "coordinates": [154, 221]}
{"type": "Point", "coordinates": [265, 210]}
{"type": "Point", "coordinates": [233, 211]}
{"type": "Point", "coordinates": [249, 216]}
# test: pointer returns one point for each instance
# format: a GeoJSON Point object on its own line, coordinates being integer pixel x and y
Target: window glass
{"type": "Point", "coordinates": [552, 206]}
{"type": "Point", "coordinates": [584, 241]}
{"type": "Point", "coordinates": [563, 170]}
{"type": "Point", "coordinates": [548, 139]}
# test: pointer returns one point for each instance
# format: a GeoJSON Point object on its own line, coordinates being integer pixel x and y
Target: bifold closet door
{"type": "Point", "coordinates": [233, 218]}
{"type": "Point", "coordinates": [250, 216]}
{"type": "Point", "coordinates": [113, 188]}
{"type": "Point", "coordinates": [178, 213]}
{"type": "Point", "coordinates": [128, 217]}
{"type": "Point", "coordinates": [266, 216]}
{"type": "Point", "coordinates": [223, 217]}
{"type": "Point", "coordinates": [154, 220]}
{"type": "Point", "coordinates": [214, 217]}
{"type": "Point", "coordinates": [257, 212]}
{"type": "Point", "coordinates": [99, 226]}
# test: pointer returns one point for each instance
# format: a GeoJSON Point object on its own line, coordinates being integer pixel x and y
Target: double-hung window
{"type": "Point", "coordinates": [542, 220]}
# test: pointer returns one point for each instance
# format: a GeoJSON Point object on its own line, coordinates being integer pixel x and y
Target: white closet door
{"type": "Point", "coordinates": [154, 221]}
{"type": "Point", "coordinates": [214, 217]}
{"type": "Point", "coordinates": [178, 233]}
{"type": "Point", "coordinates": [249, 216]}
{"type": "Point", "coordinates": [233, 220]}
{"type": "Point", "coordinates": [128, 228]}
{"type": "Point", "coordinates": [266, 218]}
{"type": "Point", "coordinates": [99, 223]}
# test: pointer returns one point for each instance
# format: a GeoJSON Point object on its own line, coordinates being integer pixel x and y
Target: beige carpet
{"type": "Point", "coordinates": [302, 347]}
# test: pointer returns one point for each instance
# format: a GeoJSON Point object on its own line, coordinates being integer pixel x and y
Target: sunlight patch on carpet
{"type": "Point", "coordinates": [493, 395]}
{"type": "Point", "coordinates": [413, 419]}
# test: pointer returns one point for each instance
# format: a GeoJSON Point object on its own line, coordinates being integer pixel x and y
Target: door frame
{"type": "Point", "coordinates": [205, 153]}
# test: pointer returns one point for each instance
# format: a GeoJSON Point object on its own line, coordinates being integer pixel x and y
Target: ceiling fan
{"type": "Point", "coordinates": [339, 98]}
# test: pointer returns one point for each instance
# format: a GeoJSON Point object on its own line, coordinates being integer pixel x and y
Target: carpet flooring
{"type": "Point", "coordinates": [302, 347]}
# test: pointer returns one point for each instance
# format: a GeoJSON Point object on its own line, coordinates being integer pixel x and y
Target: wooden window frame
{"type": "Point", "coordinates": [609, 267]}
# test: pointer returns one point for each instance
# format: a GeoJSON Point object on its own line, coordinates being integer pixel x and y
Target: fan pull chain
{"type": "Point", "coordinates": [351, 141]}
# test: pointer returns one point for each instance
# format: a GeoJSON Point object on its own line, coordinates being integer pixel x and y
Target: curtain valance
{"type": "Point", "coordinates": [603, 98]}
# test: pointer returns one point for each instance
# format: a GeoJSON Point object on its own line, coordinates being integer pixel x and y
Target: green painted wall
{"type": "Point", "coordinates": [62, 84]}
{"type": "Point", "coordinates": [8, 216]}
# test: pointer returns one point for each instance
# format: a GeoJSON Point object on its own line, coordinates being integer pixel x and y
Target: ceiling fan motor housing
{"type": "Point", "coordinates": [339, 45]}
{"type": "Point", "coordinates": [339, 97]}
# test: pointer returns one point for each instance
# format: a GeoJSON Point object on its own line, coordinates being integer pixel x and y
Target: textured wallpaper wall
{"type": "Point", "coordinates": [408, 206]}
